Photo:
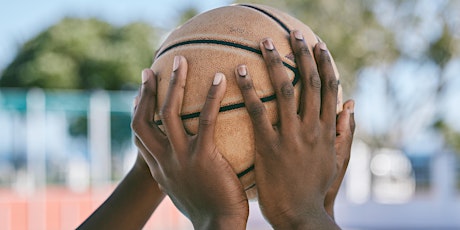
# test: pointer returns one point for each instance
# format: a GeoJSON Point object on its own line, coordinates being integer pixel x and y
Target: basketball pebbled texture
{"type": "Point", "coordinates": [218, 41]}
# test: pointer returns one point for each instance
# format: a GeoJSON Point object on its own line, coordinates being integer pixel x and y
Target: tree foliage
{"type": "Point", "coordinates": [83, 54]}
{"type": "Point", "coordinates": [402, 48]}
{"type": "Point", "coordinates": [350, 30]}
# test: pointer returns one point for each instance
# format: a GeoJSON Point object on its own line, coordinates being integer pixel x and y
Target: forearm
{"type": "Point", "coordinates": [130, 205]}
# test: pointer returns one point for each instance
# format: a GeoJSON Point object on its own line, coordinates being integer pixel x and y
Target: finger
{"type": "Point", "coordinates": [208, 115]}
{"type": "Point", "coordinates": [171, 110]}
{"type": "Point", "coordinates": [284, 90]}
{"type": "Point", "coordinates": [345, 131]}
{"type": "Point", "coordinates": [311, 83]}
{"type": "Point", "coordinates": [254, 105]}
{"type": "Point", "coordinates": [329, 84]}
{"type": "Point", "coordinates": [343, 151]}
{"type": "Point", "coordinates": [142, 125]}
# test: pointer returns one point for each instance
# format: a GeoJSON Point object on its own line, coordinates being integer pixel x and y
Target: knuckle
{"type": "Point", "coordinates": [332, 84]}
{"type": "Point", "coordinates": [256, 110]}
{"type": "Point", "coordinates": [274, 61]}
{"type": "Point", "coordinates": [166, 113]}
{"type": "Point", "coordinates": [211, 95]}
{"type": "Point", "coordinates": [276, 146]}
{"type": "Point", "coordinates": [287, 90]}
{"type": "Point", "coordinates": [246, 86]}
{"type": "Point", "coordinates": [206, 121]}
{"type": "Point", "coordinates": [303, 51]}
{"type": "Point", "coordinates": [314, 80]}
{"type": "Point", "coordinates": [313, 135]}
{"type": "Point", "coordinates": [325, 58]}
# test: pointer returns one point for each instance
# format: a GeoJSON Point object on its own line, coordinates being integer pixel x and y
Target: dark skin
{"type": "Point", "coordinates": [301, 147]}
{"type": "Point", "coordinates": [131, 204]}
{"type": "Point", "coordinates": [299, 155]}
{"type": "Point", "coordinates": [215, 203]}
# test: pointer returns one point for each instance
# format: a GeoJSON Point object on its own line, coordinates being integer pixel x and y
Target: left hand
{"type": "Point", "coordinates": [295, 162]}
{"type": "Point", "coordinates": [189, 168]}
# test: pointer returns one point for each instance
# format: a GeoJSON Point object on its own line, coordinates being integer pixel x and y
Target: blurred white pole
{"type": "Point", "coordinates": [36, 159]}
{"type": "Point", "coordinates": [358, 181]}
{"type": "Point", "coordinates": [443, 177]}
{"type": "Point", "coordinates": [99, 139]}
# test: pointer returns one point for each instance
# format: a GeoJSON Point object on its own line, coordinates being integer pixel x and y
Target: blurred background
{"type": "Point", "coordinates": [69, 71]}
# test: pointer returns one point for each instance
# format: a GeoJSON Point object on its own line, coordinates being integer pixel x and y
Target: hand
{"type": "Point", "coordinates": [343, 141]}
{"type": "Point", "coordinates": [189, 168]}
{"type": "Point", "coordinates": [295, 162]}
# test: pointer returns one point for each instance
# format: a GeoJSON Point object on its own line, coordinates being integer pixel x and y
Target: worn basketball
{"type": "Point", "coordinates": [218, 41]}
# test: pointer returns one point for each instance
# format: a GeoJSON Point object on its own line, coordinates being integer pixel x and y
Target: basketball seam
{"type": "Point", "coordinates": [277, 20]}
{"type": "Point", "coordinates": [236, 45]}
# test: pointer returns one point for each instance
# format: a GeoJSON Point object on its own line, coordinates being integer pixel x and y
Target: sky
{"type": "Point", "coordinates": [21, 20]}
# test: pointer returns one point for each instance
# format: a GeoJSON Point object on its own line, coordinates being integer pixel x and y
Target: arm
{"type": "Point", "coordinates": [131, 203]}
{"type": "Point", "coordinates": [189, 168]}
{"type": "Point", "coordinates": [296, 158]}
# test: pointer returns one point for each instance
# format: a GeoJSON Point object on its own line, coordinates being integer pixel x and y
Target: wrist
{"type": "Point", "coordinates": [222, 223]}
{"type": "Point", "coordinates": [141, 168]}
{"type": "Point", "coordinates": [308, 219]}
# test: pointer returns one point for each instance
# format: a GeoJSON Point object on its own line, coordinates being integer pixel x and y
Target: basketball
{"type": "Point", "coordinates": [218, 41]}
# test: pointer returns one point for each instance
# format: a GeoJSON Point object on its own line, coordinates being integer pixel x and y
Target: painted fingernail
{"type": "Point", "coordinates": [176, 63]}
{"type": "Point", "coordinates": [145, 76]}
{"type": "Point", "coordinates": [298, 35]}
{"type": "Point", "coordinates": [268, 44]}
{"type": "Point", "coordinates": [218, 78]}
{"type": "Point", "coordinates": [322, 46]}
{"type": "Point", "coordinates": [242, 71]}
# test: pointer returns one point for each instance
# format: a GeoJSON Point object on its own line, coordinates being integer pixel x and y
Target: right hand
{"type": "Point", "coordinates": [189, 168]}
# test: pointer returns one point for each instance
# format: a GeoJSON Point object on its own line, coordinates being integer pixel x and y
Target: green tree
{"type": "Point", "coordinates": [372, 41]}
{"type": "Point", "coordinates": [350, 30]}
{"type": "Point", "coordinates": [83, 54]}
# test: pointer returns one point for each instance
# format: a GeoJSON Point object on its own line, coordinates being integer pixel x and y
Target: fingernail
{"type": "Point", "coordinates": [218, 78]}
{"type": "Point", "coordinates": [242, 71]}
{"type": "Point", "coordinates": [268, 44]}
{"type": "Point", "coordinates": [322, 46]}
{"type": "Point", "coordinates": [176, 63]}
{"type": "Point", "coordinates": [298, 35]}
{"type": "Point", "coordinates": [145, 76]}
{"type": "Point", "coordinates": [351, 107]}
